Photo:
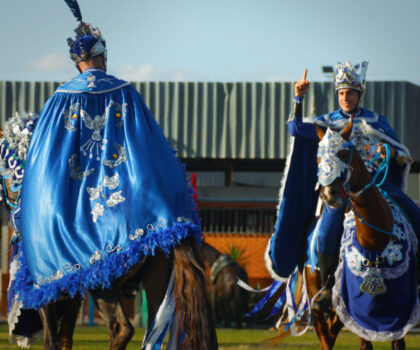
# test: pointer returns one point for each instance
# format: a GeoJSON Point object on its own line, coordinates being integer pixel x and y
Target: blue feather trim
{"type": "Point", "coordinates": [103, 273]}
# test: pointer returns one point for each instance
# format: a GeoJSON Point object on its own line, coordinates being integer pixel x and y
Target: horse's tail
{"type": "Point", "coordinates": [193, 311]}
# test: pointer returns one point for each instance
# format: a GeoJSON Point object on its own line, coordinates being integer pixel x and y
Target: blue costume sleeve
{"type": "Point", "coordinates": [298, 128]}
{"type": "Point", "coordinates": [296, 209]}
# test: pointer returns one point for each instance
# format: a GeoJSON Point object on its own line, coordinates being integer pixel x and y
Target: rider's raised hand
{"type": "Point", "coordinates": [302, 86]}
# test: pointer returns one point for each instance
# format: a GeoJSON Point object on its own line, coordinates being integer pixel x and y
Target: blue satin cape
{"type": "Point", "coordinates": [102, 189]}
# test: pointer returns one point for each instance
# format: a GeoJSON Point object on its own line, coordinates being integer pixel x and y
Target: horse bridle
{"type": "Point", "coordinates": [382, 168]}
{"type": "Point", "coordinates": [345, 187]}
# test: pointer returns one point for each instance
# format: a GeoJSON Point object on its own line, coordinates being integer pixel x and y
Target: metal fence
{"type": "Point", "coordinates": [237, 120]}
{"type": "Point", "coordinates": [238, 217]}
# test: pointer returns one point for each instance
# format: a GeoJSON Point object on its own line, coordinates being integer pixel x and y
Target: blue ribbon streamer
{"type": "Point", "coordinates": [259, 306]}
{"type": "Point", "coordinates": [278, 305]}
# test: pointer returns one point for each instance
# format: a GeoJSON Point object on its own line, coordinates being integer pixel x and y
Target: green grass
{"type": "Point", "coordinates": [96, 338]}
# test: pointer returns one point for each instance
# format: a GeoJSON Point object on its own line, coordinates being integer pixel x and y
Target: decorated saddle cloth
{"type": "Point", "coordinates": [102, 189]}
{"type": "Point", "coordinates": [375, 294]}
{"type": "Point", "coordinates": [25, 325]}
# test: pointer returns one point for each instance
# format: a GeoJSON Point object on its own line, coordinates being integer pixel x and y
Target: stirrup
{"type": "Point", "coordinates": [324, 302]}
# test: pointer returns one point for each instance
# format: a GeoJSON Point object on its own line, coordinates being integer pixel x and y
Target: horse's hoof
{"type": "Point", "coordinates": [323, 303]}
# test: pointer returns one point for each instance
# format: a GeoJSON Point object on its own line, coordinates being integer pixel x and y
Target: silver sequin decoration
{"type": "Point", "coordinates": [330, 166]}
{"type": "Point", "coordinates": [95, 257]}
{"type": "Point", "coordinates": [97, 143]}
{"type": "Point", "coordinates": [366, 144]}
{"type": "Point", "coordinates": [59, 274]}
{"type": "Point", "coordinates": [98, 210]}
{"type": "Point", "coordinates": [183, 219]}
{"type": "Point", "coordinates": [40, 281]}
{"type": "Point", "coordinates": [111, 182]}
{"type": "Point", "coordinates": [69, 267]}
{"type": "Point", "coordinates": [94, 192]}
{"type": "Point", "coordinates": [115, 199]}
{"type": "Point", "coordinates": [68, 115]}
{"type": "Point", "coordinates": [122, 109]}
{"type": "Point", "coordinates": [77, 175]}
{"type": "Point", "coordinates": [122, 157]}
{"type": "Point", "coordinates": [161, 223]}
{"type": "Point", "coordinates": [91, 79]}
{"type": "Point", "coordinates": [138, 233]}
{"type": "Point", "coordinates": [373, 284]}
{"type": "Point", "coordinates": [17, 131]}
{"type": "Point", "coordinates": [96, 124]}
{"type": "Point", "coordinates": [110, 249]}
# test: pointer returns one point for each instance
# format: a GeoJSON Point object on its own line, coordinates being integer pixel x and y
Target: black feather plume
{"type": "Point", "coordinates": [75, 9]}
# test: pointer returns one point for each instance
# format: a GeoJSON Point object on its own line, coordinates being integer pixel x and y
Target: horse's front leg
{"type": "Point", "coordinates": [109, 305]}
{"type": "Point", "coordinates": [326, 329]}
{"type": "Point", "coordinates": [365, 344]}
{"type": "Point", "coordinates": [335, 326]}
{"type": "Point", "coordinates": [49, 322]}
{"type": "Point", "coordinates": [322, 331]}
{"type": "Point", "coordinates": [398, 344]}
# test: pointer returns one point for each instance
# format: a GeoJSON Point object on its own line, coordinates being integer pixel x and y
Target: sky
{"type": "Point", "coordinates": [217, 40]}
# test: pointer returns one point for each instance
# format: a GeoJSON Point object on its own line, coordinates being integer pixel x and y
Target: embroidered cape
{"type": "Point", "coordinates": [102, 190]}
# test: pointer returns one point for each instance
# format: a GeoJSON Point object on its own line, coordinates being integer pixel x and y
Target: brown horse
{"type": "Point", "coordinates": [225, 273]}
{"type": "Point", "coordinates": [373, 224]}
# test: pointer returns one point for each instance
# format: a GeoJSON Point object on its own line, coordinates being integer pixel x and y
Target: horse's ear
{"type": "Point", "coordinates": [347, 129]}
{"type": "Point", "coordinates": [319, 131]}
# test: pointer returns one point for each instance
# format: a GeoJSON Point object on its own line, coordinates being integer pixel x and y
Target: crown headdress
{"type": "Point", "coordinates": [347, 76]}
{"type": "Point", "coordinates": [88, 42]}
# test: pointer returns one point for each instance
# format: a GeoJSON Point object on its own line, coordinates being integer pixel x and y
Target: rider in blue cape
{"type": "Point", "coordinates": [102, 188]}
{"type": "Point", "coordinates": [299, 190]}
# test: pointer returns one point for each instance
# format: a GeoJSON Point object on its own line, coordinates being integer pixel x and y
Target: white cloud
{"type": "Point", "coordinates": [51, 63]}
{"type": "Point", "coordinates": [150, 72]}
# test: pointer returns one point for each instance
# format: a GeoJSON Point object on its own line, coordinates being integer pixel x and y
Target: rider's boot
{"type": "Point", "coordinates": [327, 264]}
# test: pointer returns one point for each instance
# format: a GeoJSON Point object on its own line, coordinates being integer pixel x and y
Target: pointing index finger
{"type": "Point", "coordinates": [304, 74]}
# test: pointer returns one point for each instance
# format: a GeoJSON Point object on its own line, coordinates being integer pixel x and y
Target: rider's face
{"type": "Point", "coordinates": [348, 99]}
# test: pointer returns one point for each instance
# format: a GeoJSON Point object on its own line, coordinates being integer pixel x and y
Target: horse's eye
{"type": "Point", "coordinates": [344, 155]}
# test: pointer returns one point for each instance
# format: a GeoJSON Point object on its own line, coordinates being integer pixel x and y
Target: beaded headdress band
{"type": "Point", "coordinates": [347, 76]}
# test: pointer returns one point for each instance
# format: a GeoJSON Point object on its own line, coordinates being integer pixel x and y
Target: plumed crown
{"type": "Point", "coordinates": [88, 43]}
{"type": "Point", "coordinates": [347, 77]}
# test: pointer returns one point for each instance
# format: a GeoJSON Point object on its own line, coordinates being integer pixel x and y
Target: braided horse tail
{"type": "Point", "coordinates": [193, 309]}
